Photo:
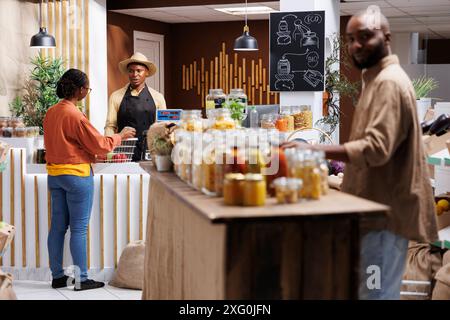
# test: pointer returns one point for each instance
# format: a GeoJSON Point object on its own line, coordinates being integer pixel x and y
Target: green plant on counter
{"type": "Point", "coordinates": [424, 85]}
{"type": "Point", "coordinates": [237, 109]}
{"type": "Point", "coordinates": [162, 146]}
{"type": "Point", "coordinates": [337, 85]}
{"type": "Point", "coordinates": [40, 91]}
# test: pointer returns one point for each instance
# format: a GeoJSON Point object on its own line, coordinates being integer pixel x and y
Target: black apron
{"type": "Point", "coordinates": [137, 112]}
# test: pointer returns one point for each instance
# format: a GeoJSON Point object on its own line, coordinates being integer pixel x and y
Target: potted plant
{"type": "Point", "coordinates": [162, 147]}
{"type": "Point", "coordinates": [40, 91]}
{"type": "Point", "coordinates": [423, 86]}
{"type": "Point", "coordinates": [336, 85]}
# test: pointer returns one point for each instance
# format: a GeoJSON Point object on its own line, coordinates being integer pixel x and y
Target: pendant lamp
{"type": "Point", "coordinates": [42, 39]}
{"type": "Point", "coordinates": [246, 42]}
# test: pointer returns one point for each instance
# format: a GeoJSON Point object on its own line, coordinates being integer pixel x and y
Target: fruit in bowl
{"type": "Point", "coordinates": [119, 157]}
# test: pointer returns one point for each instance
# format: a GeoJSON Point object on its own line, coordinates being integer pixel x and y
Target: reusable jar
{"type": "Point", "coordinates": [254, 190]}
{"type": "Point", "coordinates": [302, 117]}
{"type": "Point", "coordinates": [191, 120]}
{"type": "Point", "coordinates": [17, 122]}
{"type": "Point", "coordinates": [268, 121]}
{"type": "Point", "coordinates": [287, 189]}
{"type": "Point", "coordinates": [223, 120]}
{"type": "Point", "coordinates": [324, 171]}
{"type": "Point", "coordinates": [208, 166]}
{"type": "Point", "coordinates": [233, 189]}
{"type": "Point", "coordinates": [20, 132]}
{"type": "Point", "coordinates": [287, 114]}
{"type": "Point", "coordinates": [237, 95]}
{"type": "Point", "coordinates": [215, 99]}
{"type": "Point", "coordinates": [197, 173]}
{"type": "Point", "coordinates": [281, 123]}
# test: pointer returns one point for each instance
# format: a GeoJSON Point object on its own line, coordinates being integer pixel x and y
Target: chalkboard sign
{"type": "Point", "coordinates": [297, 42]}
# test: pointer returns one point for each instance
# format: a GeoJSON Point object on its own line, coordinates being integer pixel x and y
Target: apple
{"type": "Point", "coordinates": [109, 155]}
{"type": "Point", "coordinates": [119, 157]}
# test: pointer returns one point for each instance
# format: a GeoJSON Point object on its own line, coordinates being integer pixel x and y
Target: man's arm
{"type": "Point", "coordinates": [335, 152]}
{"type": "Point", "coordinates": [111, 118]}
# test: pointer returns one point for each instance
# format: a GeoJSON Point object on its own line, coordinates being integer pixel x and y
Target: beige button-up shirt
{"type": "Point", "coordinates": [116, 99]}
{"type": "Point", "coordinates": [387, 160]}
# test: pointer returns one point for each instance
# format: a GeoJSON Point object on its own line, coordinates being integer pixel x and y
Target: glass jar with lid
{"type": "Point", "coordinates": [223, 120]}
{"type": "Point", "coordinates": [233, 189]}
{"type": "Point", "coordinates": [196, 170]}
{"type": "Point", "coordinates": [19, 132]}
{"type": "Point", "coordinates": [254, 190]}
{"type": "Point", "coordinates": [237, 95]}
{"type": "Point", "coordinates": [281, 123]}
{"type": "Point", "coordinates": [324, 171]}
{"type": "Point", "coordinates": [215, 99]}
{"type": "Point", "coordinates": [306, 168]}
{"type": "Point", "coordinates": [4, 121]}
{"type": "Point", "coordinates": [302, 117]}
{"type": "Point", "coordinates": [208, 165]}
{"type": "Point", "coordinates": [7, 132]}
{"type": "Point", "coordinates": [287, 189]}
{"type": "Point", "coordinates": [286, 113]}
{"type": "Point", "coordinates": [17, 122]}
{"type": "Point", "coordinates": [191, 120]}
{"type": "Point", "coordinates": [224, 162]}
{"type": "Point", "coordinates": [268, 120]}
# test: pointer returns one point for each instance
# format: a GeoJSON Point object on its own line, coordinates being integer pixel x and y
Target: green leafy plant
{"type": "Point", "coordinates": [337, 85]}
{"type": "Point", "coordinates": [40, 91]}
{"type": "Point", "coordinates": [237, 109]}
{"type": "Point", "coordinates": [162, 146]}
{"type": "Point", "coordinates": [424, 85]}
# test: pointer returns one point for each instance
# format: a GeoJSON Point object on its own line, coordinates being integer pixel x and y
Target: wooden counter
{"type": "Point", "coordinates": [197, 248]}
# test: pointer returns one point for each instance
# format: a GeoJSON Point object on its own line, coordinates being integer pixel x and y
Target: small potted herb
{"type": "Point", "coordinates": [161, 147]}
{"type": "Point", "coordinates": [423, 86]}
{"type": "Point", "coordinates": [237, 110]}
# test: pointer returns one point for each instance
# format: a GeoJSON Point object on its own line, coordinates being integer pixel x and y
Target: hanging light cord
{"type": "Point", "coordinates": [40, 14]}
{"type": "Point", "coordinates": [245, 12]}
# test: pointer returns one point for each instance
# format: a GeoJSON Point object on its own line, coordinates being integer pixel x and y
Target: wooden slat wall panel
{"type": "Point", "coordinates": [68, 21]}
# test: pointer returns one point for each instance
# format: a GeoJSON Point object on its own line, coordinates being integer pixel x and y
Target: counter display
{"type": "Point", "coordinates": [199, 248]}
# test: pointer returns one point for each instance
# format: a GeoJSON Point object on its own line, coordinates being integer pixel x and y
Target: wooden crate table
{"type": "Point", "coordinates": [198, 248]}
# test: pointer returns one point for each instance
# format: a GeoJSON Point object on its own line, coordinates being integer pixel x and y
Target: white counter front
{"type": "Point", "coordinates": [118, 216]}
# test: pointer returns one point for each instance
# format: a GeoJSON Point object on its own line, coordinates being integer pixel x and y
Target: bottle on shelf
{"type": "Point", "coordinates": [253, 113]}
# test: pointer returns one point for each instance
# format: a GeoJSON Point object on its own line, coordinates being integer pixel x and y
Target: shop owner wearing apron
{"type": "Point", "coordinates": [135, 104]}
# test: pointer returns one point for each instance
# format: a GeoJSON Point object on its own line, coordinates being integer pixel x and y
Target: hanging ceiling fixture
{"type": "Point", "coordinates": [42, 39]}
{"type": "Point", "coordinates": [246, 42]}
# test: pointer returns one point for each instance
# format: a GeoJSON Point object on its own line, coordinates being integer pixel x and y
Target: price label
{"type": "Point", "coordinates": [168, 115]}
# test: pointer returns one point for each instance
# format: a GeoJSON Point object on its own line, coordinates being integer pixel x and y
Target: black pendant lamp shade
{"type": "Point", "coordinates": [42, 39]}
{"type": "Point", "coordinates": [246, 42]}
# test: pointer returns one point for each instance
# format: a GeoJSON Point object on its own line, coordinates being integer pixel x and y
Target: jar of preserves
{"type": "Point", "coordinates": [223, 120]}
{"type": "Point", "coordinates": [7, 132]}
{"type": "Point", "coordinates": [20, 132]}
{"type": "Point", "coordinates": [287, 189]}
{"type": "Point", "coordinates": [268, 121]}
{"type": "Point", "coordinates": [191, 120]}
{"type": "Point", "coordinates": [287, 114]}
{"type": "Point", "coordinates": [281, 123]}
{"type": "Point", "coordinates": [324, 171]}
{"type": "Point", "coordinates": [233, 189]}
{"type": "Point", "coordinates": [254, 190]}
{"type": "Point", "coordinates": [238, 95]}
{"type": "Point", "coordinates": [306, 168]}
{"type": "Point", "coordinates": [196, 171]}
{"type": "Point", "coordinates": [17, 122]}
{"type": "Point", "coordinates": [208, 166]}
{"type": "Point", "coordinates": [215, 99]}
{"type": "Point", "coordinates": [302, 117]}
{"type": "Point", "coordinates": [224, 166]}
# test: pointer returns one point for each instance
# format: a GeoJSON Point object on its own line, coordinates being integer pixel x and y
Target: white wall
{"type": "Point", "coordinates": [98, 64]}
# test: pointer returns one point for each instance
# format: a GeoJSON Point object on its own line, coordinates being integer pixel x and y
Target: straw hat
{"type": "Point", "coordinates": [137, 58]}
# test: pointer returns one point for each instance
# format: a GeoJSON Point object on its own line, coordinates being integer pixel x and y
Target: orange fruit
{"type": "Point", "coordinates": [439, 210]}
{"type": "Point", "coordinates": [444, 204]}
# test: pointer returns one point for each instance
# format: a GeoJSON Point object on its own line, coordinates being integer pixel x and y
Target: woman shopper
{"type": "Point", "coordinates": [71, 144]}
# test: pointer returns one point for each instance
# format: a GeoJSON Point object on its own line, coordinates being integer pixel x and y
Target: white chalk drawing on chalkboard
{"type": "Point", "coordinates": [313, 18]}
{"type": "Point", "coordinates": [312, 59]}
{"type": "Point", "coordinates": [284, 35]}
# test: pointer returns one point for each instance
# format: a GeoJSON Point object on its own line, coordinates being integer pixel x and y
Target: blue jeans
{"type": "Point", "coordinates": [383, 260]}
{"type": "Point", "coordinates": [71, 198]}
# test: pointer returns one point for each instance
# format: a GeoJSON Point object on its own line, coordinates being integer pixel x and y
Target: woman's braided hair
{"type": "Point", "coordinates": [70, 82]}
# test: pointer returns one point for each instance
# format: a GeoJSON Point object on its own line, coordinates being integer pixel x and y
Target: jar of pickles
{"type": "Point", "coordinates": [191, 120]}
{"type": "Point", "coordinates": [302, 117]}
{"type": "Point", "coordinates": [233, 188]}
{"type": "Point", "coordinates": [223, 120]}
{"type": "Point", "coordinates": [254, 190]}
{"type": "Point", "coordinates": [281, 123]}
{"type": "Point", "coordinates": [268, 120]}
{"type": "Point", "coordinates": [287, 189]}
{"type": "Point", "coordinates": [215, 99]}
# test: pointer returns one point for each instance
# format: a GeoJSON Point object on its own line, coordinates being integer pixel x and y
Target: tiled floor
{"type": "Point", "coordinates": [42, 290]}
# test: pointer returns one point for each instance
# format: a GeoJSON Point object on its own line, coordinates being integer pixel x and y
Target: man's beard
{"type": "Point", "coordinates": [378, 53]}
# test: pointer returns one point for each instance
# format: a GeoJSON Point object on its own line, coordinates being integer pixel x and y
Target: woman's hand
{"type": "Point", "coordinates": [127, 133]}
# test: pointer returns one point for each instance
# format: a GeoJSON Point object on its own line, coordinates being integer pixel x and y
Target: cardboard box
{"type": "Point", "coordinates": [433, 144]}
